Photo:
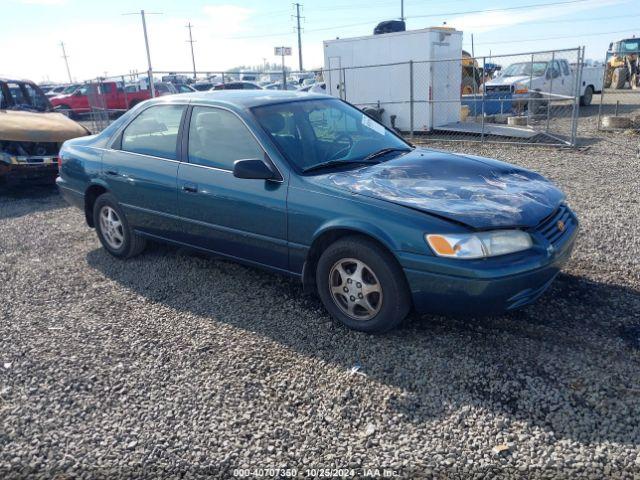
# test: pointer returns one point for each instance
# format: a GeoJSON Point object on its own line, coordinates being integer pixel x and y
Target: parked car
{"type": "Point", "coordinates": [318, 87]}
{"type": "Point", "coordinates": [184, 88]}
{"type": "Point", "coordinates": [57, 90]}
{"type": "Point", "coordinates": [68, 89]}
{"type": "Point", "coordinates": [30, 133]}
{"type": "Point", "coordinates": [108, 95]}
{"type": "Point", "coordinates": [204, 85]}
{"type": "Point", "coordinates": [236, 86]}
{"type": "Point", "coordinates": [278, 86]}
{"type": "Point", "coordinates": [309, 186]}
{"type": "Point", "coordinates": [541, 79]}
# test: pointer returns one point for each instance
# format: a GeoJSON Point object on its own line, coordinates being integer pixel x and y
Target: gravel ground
{"type": "Point", "coordinates": [177, 364]}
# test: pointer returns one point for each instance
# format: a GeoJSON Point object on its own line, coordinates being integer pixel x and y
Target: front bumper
{"type": "Point", "coordinates": [12, 173]}
{"type": "Point", "coordinates": [484, 287]}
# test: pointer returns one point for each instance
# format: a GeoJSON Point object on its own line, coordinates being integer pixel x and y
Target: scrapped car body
{"type": "Point", "coordinates": [309, 186]}
{"type": "Point", "coordinates": [30, 133]}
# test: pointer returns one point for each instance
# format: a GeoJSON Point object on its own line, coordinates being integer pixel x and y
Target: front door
{"type": "Point", "coordinates": [142, 168]}
{"type": "Point", "coordinates": [237, 217]}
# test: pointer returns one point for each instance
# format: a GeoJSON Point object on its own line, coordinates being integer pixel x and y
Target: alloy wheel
{"type": "Point", "coordinates": [355, 289]}
{"type": "Point", "coordinates": [111, 227]}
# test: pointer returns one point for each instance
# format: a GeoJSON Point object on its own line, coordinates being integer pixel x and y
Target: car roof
{"type": "Point", "coordinates": [16, 80]}
{"type": "Point", "coordinates": [245, 98]}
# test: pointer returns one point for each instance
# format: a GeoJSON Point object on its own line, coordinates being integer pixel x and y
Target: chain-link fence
{"type": "Point", "coordinates": [530, 98]}
{"type": "Point", "coordinates": [527, 98]}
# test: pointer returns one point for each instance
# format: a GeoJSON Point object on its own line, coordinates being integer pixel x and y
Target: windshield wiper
{"type": "Point", "coordinates": [384, 151]}
{"type": "Point", "coordinates": [332, 163]}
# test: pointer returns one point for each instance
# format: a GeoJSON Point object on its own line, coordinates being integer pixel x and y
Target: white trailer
{"type": "Point", "coordinates": [433, 80]}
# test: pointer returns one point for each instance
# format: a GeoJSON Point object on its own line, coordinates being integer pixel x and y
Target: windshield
{"type": "Point", "coordinates": [312, 132]}
{"type": "Point", "coordinates": [525, 69]}
{"type": "Point", "coordinates": [630, 46]}
{"type": "Point", "coordinates": [70, 89]}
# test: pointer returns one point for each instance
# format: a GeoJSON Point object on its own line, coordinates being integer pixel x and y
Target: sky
{"type": "Point", "coordinates": [100, 39]}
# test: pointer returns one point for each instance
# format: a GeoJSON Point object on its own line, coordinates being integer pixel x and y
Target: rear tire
{"type": "Point", "coordinates": [585, 100]}
{"type": "Point", "coordinates": [362, 285]}
{"type": "Point", "coordinates": [113, 229]}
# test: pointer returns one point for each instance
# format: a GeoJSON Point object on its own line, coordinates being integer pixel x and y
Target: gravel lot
{"type": "Point", "coordinates": [178, 364]}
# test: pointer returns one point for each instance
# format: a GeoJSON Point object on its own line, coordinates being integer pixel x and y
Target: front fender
{"type": "Point", "coordinates": [359, 226]}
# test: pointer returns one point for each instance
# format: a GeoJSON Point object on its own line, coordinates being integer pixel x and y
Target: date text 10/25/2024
{"type": "Point", "coordinates": [316, 472]}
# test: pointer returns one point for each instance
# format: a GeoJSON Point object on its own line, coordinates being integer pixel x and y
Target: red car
{"type": "Point", "coordinates": [105, 95]}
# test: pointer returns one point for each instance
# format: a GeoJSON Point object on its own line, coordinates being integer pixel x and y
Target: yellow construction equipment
{"type": "Point", "coordinates": [623, 64]}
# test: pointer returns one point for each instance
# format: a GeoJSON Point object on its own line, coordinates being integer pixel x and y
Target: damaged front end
{"type": "Point", "coordinates": [28, 161]}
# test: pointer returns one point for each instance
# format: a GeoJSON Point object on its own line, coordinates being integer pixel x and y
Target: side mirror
{"type": "Point", "coordinates": [77, 93]}
{"type": "Point", "coordinates": [254, 169]}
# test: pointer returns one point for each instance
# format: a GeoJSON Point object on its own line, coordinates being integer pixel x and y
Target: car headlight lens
{"type": "Point", "coordinates": [520, 88]}
{"type": "Point", "coordinates": [479, 245]}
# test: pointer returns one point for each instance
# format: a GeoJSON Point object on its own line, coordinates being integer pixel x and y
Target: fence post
{"type": "Point", "coordinates": [604, 80]}
{"type": "Point", "coordinates": [529, 94]}
{"type": "Point", "coordinates": [575, 114]}
{"type": "Point", "coordinates": [553, 60]}
{"type": "Point", "coordinates": [411, 97]}
{"type": "Point", "coordinates": [484, 68]}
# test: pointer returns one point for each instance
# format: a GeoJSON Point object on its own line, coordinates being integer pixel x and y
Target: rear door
{"type": "Point", "coordinates": [237, 217]}
{"type": "Point", "coordinates": [142, 166]}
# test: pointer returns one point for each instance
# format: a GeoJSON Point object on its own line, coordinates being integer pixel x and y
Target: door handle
{"type": "Point", "coordinates": [190, 188]}
{"type": "Point", "coordinates": [113, 173]}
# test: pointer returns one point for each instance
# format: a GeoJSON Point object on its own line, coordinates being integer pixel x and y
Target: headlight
{"type": "Point", "coordinates": [479, 245]}
{"type": "Point", "coordinates": [520, 88]}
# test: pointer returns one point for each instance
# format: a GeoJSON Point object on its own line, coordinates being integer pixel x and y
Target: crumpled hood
{"type": "Point", "coordinates": [21, 126]}
{"type": "Point", "coordinates": [478, 192]}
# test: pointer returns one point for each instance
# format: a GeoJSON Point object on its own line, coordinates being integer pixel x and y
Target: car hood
{"type": "Point", "coordinates": [21, 126]}
{"type": "Point", "coordinates": [524, 79]}
{"type": "Point", "coordinates": [478, 192]}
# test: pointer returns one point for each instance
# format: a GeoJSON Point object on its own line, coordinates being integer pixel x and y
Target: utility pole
{"type": "Point", "coordinates": [402, 10]}
{"type": "Point", "coordinates": [66, 61]}
{"type": "Point", "coordinates": [193, 58]}
{"type": "Point", "coordinates": [297, 15]}
{"type": "Point", "coordinates": [152, 87]}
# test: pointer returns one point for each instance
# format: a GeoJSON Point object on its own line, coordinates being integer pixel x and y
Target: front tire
{"type": "Point", "coordinates": [362, 285]}
{"type": "Point", "coordinates": [619, 78]}
{"type": "Point", "coordinates": [113, 229]}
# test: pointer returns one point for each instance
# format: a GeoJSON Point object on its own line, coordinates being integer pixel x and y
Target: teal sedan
{"type": "Point", "coordinates": [309, 186]}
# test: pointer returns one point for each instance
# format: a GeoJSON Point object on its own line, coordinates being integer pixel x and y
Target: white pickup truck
{"type": "Point", "coordinates": [548, 79]}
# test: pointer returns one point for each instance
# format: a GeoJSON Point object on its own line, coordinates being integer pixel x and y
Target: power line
{"type": "Point", "coordinates": [559, 37]}
{"type": "Point", "coordinates": [191, 41]}
{"type": "Point", "coordinates": [503, 9]}
{"type": "Point", "coordinates": [297, 16]}
{"type": "Point", "coordinates": [544, 22]}
{"type": "Point", "coordinates": [66, 61]}
{"type": "Point", "coordinates": [359, 24]}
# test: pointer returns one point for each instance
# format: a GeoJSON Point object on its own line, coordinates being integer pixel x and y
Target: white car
{"type": "Point", "coordinates": [545, 79]}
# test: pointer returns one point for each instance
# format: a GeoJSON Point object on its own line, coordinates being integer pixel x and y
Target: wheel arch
{"type": "Point", "coordinates": [331, 233]}
{"type": "Point", "coordinates": [92, 192]}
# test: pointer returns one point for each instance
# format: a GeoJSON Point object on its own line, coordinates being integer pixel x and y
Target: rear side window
{"type": "Point", "coordinates": [154, 132]}
{"type": "Point", "coordinates": [217, 138]}
{"type": "Point", "coordinates": [37, 100]}
{"type": "Point", "coordinates": [18, 95]}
